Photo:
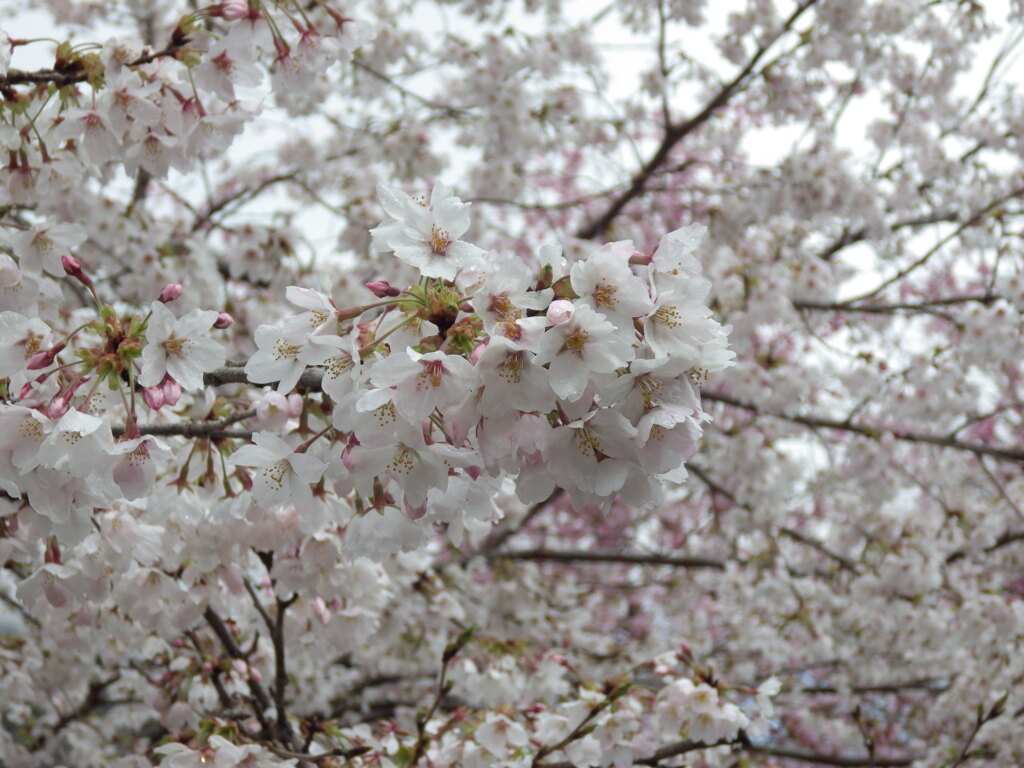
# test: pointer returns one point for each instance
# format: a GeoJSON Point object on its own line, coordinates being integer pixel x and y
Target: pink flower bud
{"type": "Point", "coordinates": [232, 9]}
{"type": "Point", "coordinates": [477, 351]}
{"type": "Point", "coordinates": [74, 268]}
{"type": "Point", "coordinates": [26, 390]}
{"type": "Point", "coordinates": [59, 405]}
{"type": "Point", "coordinates": [170, 292]}
{"type": "Point", "coordinates": [154, 397]}
{"type": "Point", "coordinates": [45, 358]}
{"type": "Point", "coordinates": [319, 609]}
{"type": "Point", "coordinates": [560, 311]}
{"type": "Point", "coordinates": [224, 320]}
{"type": "Point", "coordinates": [382, 289]}
{"type": "Point", "coordinates": [641, 258]}
{"type": "Point", "coordinates": [171, 390]}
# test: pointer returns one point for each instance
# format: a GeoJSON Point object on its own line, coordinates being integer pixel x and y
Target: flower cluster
{"type": "Point", "coordinates": [579, 376]}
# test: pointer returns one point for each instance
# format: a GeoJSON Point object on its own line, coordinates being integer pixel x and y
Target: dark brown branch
{"type": "Point", "coordinates": [275, 626]}
{"type": "Point", "coordinates": [584, 556]}
{"type": "Point", "coordinates": [345, 754]}
{"type": "Point", "coordinates": [790, 532]}
{"type": "Point", "coordinates": [676, 133]}
{"type": "Point", "coordinates": [683, 747]}
{"type": "Point", "coordinates": [833, 760]}
{"type": "Point", "coordinates": [974, 220]}
{"type": "Point", "coordinates": [883, 309]}
{"type": "Point", "coordinates": [445, 109]}
{"type": "Point", "coordinates": [260, 701]}
{"type": "Point", "coordinates": [62, 78]}
{"type": "Point", "coordinates": [21, 609]}
{"type": "Point", "coordinates": [818, 422]}
{"type": "Point", "coordinates": [214, 430]}
{"type": "Point", "coordinates": [1007, 538]}
{"type": "Point", "coordinates": [845, 563]}
{"type": "Point", "coordinates": [928, 684]}
{"type": "Point", "coordinates": [499, 536]}
{"type": "Point", "coordinates": [235, 374]}
{"type": "Point", "coordinates": [93, 698]}
{"type": "Point", "coordinates": [241, 196]}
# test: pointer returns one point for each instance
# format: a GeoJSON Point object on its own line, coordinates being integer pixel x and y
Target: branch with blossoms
{"type": "Point", "coordinates": [675, 133]}
{"type": "Point", "coordinates": [872, 431]}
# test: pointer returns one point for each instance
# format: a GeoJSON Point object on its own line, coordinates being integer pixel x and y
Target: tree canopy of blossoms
{"type": "Point", "coordinates": [466, 383]}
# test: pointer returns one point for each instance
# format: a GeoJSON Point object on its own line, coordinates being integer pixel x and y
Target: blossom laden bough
{"type": "Point", "coordinates": [443, 494]}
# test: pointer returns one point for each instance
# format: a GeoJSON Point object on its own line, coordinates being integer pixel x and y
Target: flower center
{"type": "Point", "coordinates": [275, 474]}
{"type": "Point", "coordinates": [604, 295]}
{"type": "Point", "coordinates": [503, 307]}
{"type": "Point", "coordinates": [283, 350]}
{"type": "Point", "coordinates": [402, 462]}
{"type": "Point", "coordinates": [430, 375]}
{"type": "Point", "coordinates": [439, 240]}
{"type": "Point", "coordinates": [175, 347]}
{"type": "Point", "coordinates": [511, 370]}
{"type": "Point", "coordinates": [338, 364]}
{"type": "Point", "coordinates": [31, 429]}
{"type": "Point", "coordinates": [649, 389]}
{"type": "Point", "coordinates": [33, 343]}
{"type": "Point", "coordinates": [577, 342]}
{"type": "Point", "coordinates": [588, 443]}
{"type": "Point", "coordinates": [668, 316]}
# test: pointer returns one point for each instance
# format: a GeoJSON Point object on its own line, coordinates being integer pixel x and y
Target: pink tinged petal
{"type": "Point", "coordinates": [135, 471]}
{"type": "Point", "coordinates": [55, 593]}
{"type": "Point", "coordinates": [154, 397]}
{"type": "Point", "coordinates": [171, 391]}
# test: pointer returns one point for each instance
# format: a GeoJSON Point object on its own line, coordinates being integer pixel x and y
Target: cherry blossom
{"type": "Point", "coordinates": [285, 474]}
{"type": "Point", "coordinates": [427, 236]}
{"type": "Point", "coordinates": [179, 347]}
{"type": "Point", "coordinates": [687, 433]}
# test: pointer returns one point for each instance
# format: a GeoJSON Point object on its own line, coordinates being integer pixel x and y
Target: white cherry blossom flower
{"type": "Point", "coordinates": [584, 345]}
{"type": "Point", "coordinates": [513, 379]}
{"type": "Point", "coordinates": [506, 296]}
{"type": "Point", "coordinates": [284, 476]}
{"type": "Point", "coordinates": [427, 236]}
{"type": "Point", "coordinates": [675, 254]}
{"type": "Point", "coordinates": [593, 453]}
{"type": "Point", "coordinates": [497, 733]}
{"type": "Point", "coordinates": [282, 359]}
{"type": "Point", "coordinates": [680, 321]}
{"type": "Point", "coordinates": [179, 347]}
{"type": "Point", "coordinates": [40, 246]}
{"type": "Point", "coordinates": [605, 283]}
{"type": "Point", "coordinates": [137, 463]}
{"type": "Point", "coordinates": [78, 443]}
{"type": "Point", "coordinates": [424, 382]}
{"type": "Point", "coordinates": [22, 432]}
{"type": "Point", "coordinates": [20, 338]}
